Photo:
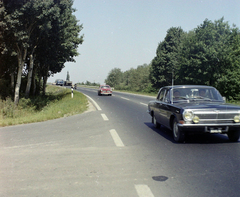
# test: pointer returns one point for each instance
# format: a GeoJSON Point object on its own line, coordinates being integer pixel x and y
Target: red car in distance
{"type": "Point", "coordinates": [104, 90]}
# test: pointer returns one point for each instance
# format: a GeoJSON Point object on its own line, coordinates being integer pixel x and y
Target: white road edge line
{"type": "Point", "coordinates": [116, 138]}
{"type": "Point", "coordinates": [125, 98]}
{"type": "Point", "coordinates": [104, 117]}
{"type": "Point", "coordinates": [96, 105]}
{"type": "Point", "coordinates": [143, 191]}
{"type": "Point", "coordinates": [144, 104]}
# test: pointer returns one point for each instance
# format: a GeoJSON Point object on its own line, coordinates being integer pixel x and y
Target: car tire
{"type": "Point", "coordinates": [233, 136]}
{"type": "Point", "coordinates": [178, 134]}
{"type": "Point", "coordinates": [154, 121]}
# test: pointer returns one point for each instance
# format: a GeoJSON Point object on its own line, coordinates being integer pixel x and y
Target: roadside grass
{"type": "Point", "coordinates": [56, 104]}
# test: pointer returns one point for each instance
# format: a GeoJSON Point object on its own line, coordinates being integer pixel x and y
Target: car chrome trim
{"type": "Point", "coordinates": [215, 112]}
{"type": "Point", "coordinates": [207, 120]}
{"type": "Point", "coordinates": [206, 125]}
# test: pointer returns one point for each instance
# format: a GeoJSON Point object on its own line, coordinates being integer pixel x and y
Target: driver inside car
{"type": "Point", "coordinates": [202, 93]}
{"type": "Point", "coordinates": [176, 93]}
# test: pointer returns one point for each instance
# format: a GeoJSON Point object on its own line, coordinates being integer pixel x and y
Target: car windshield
{"type": "Point", "coordinates": [199, 93]}
{"type": "Point", "coordinates": [105, 86]}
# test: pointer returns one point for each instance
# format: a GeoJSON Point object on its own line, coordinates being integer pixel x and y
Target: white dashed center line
{"type": "Point", "coordinates": [116, 138]}
{"type": "Point", "coordinates": [104, 117]}
{"type": "Point", "coordinates": [125, 98]}
{"type": "Point", "coordinates": [143, 191]}
{"type": "Point", "coordinates": [144, 104]}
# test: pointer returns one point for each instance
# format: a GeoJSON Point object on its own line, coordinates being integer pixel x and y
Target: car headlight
{"type": "Point", "coordinates": [236, 118]}
{"type": "Point", "coordinates": [196, 119]}
{"type": "Point", "coordinates": [188, 115]}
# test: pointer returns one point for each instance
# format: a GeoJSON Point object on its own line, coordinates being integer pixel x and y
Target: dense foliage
{"type": "Point", "coordinates": [133, 79]}
{"type": "Point", "coordinates": [36, 38]}
{"type": "Point", "coordinates": [166, 62]}
{"type": "Point", "coordinates": [207, 55]}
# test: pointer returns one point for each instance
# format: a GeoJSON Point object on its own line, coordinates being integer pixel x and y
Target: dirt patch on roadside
{"type": "Point", "coordinates": [91, 107]}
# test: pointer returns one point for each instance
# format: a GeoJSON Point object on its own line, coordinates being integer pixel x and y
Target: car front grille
{"type": "Point", "coordinates": [215, 116]}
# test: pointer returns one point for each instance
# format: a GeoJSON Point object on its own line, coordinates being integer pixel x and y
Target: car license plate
{"type": "Point", "coordinates": [215, 131]}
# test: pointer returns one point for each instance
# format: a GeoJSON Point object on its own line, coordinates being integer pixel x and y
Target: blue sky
{"type": "Point", "coordinates": [125, 33]}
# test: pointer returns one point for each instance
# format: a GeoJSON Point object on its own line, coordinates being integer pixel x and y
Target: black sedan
{"type": "Point", "coordinates": [193, 108]}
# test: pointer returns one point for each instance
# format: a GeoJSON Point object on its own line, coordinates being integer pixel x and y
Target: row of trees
{"type": "Point", "coordinates": [133, 79]}
{"type": "Point", "coordinates": [36, 38]}
{"type": "Point", "coordinates": [207, 55]}
{"type": "Point", "coordinates": [88, 83]}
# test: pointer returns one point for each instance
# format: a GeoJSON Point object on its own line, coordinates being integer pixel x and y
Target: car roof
{"type": "Point", "coordinates": [188, 86]}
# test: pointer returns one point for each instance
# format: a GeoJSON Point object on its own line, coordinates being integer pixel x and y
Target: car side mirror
{"type": "Point", "coordinates": [224, 99]}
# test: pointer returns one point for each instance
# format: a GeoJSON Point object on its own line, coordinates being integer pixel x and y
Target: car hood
{"type": "Point", "coordinates": [208, 105]}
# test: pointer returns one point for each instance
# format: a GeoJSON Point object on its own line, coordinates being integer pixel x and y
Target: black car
{"type": "Point", "coordinates": [194, 108]}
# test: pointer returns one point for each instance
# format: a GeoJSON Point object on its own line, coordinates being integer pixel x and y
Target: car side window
{"type": "Point", "coordinates": [167, 97]}
{"type": "Point", "coordinates": [161, 95]}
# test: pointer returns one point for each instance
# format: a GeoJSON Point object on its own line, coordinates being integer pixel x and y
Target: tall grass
{"type": "Point", "coordinates": [56, 104]}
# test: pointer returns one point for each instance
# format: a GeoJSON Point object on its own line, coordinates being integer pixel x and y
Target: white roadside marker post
{"type": "Point", "coordinates": [72, 92]}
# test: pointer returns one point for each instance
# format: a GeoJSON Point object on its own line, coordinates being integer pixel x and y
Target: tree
{"type": "Point", "coordinates": [68, 76]}
{"type": "Point", "coordinates": [209, 57]}
{"type": "Point", "coordinates": [61, 43]}
{"type": "Point", "coordinates": [114, 77]}
{"type": "Point", "coordinates": [165, 63]}
{"type": "Point", "coordinates": [138, 79]}
{"type": "Point", "coordinates": [15, 35]}
{"type": "Point", "coordinates": [228, 82]}
{"type": "Point", "coordinates": [20, 19]}
{"type": "Point", "coordinates": [204, 55]}
{"type": "Point", "coordinates": [45, 31]}
{"type": "Point", "coordinates": [45, 12]}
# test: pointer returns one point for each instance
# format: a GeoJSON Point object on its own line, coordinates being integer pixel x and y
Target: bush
{"type": "Point", "coordinates": [24, 103]}
{"type": "Point", "coordinates": [8, 108]}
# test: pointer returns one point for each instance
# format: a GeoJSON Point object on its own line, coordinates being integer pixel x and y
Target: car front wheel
{"type": "Point", "coordinates": [178, 134]}
{"type": "Point", "coordinates": [233, 135]}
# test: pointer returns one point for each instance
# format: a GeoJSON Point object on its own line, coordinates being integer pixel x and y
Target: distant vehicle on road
{"type": "Point", "coordinates": [68, 83]}
{"type": "Point", "coordinates": [193, 108]}
{"type": "Point", "coordinates": [59, 82]}
{"type": "Point", "coordinates": [75, 86]}
{"type": "Point", "coordinates": [104, 90]}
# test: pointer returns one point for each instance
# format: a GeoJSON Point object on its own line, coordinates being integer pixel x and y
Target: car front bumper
{"type": "Point", "coordinates": [107, 93]}
{"type": "Point", "coordinates": [210, 128]}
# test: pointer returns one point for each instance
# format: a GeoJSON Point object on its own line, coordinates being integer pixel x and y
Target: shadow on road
{"type": "Point", "coordinates": [205, 138]}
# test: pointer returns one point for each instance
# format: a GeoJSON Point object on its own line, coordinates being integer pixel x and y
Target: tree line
{"type": "Point", "coordinates": [36, 38]}
{"type": "Point", "coordinates": [135, 79]}
{"type": "Point", "coordinates": [206, 55]}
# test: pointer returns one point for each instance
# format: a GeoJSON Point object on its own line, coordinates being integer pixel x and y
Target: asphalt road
{"type": "Point", "coordinates": [114, 150]}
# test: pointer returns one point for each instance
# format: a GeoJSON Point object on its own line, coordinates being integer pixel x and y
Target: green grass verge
{"type": "Point", "coordinates": [56, 104]}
